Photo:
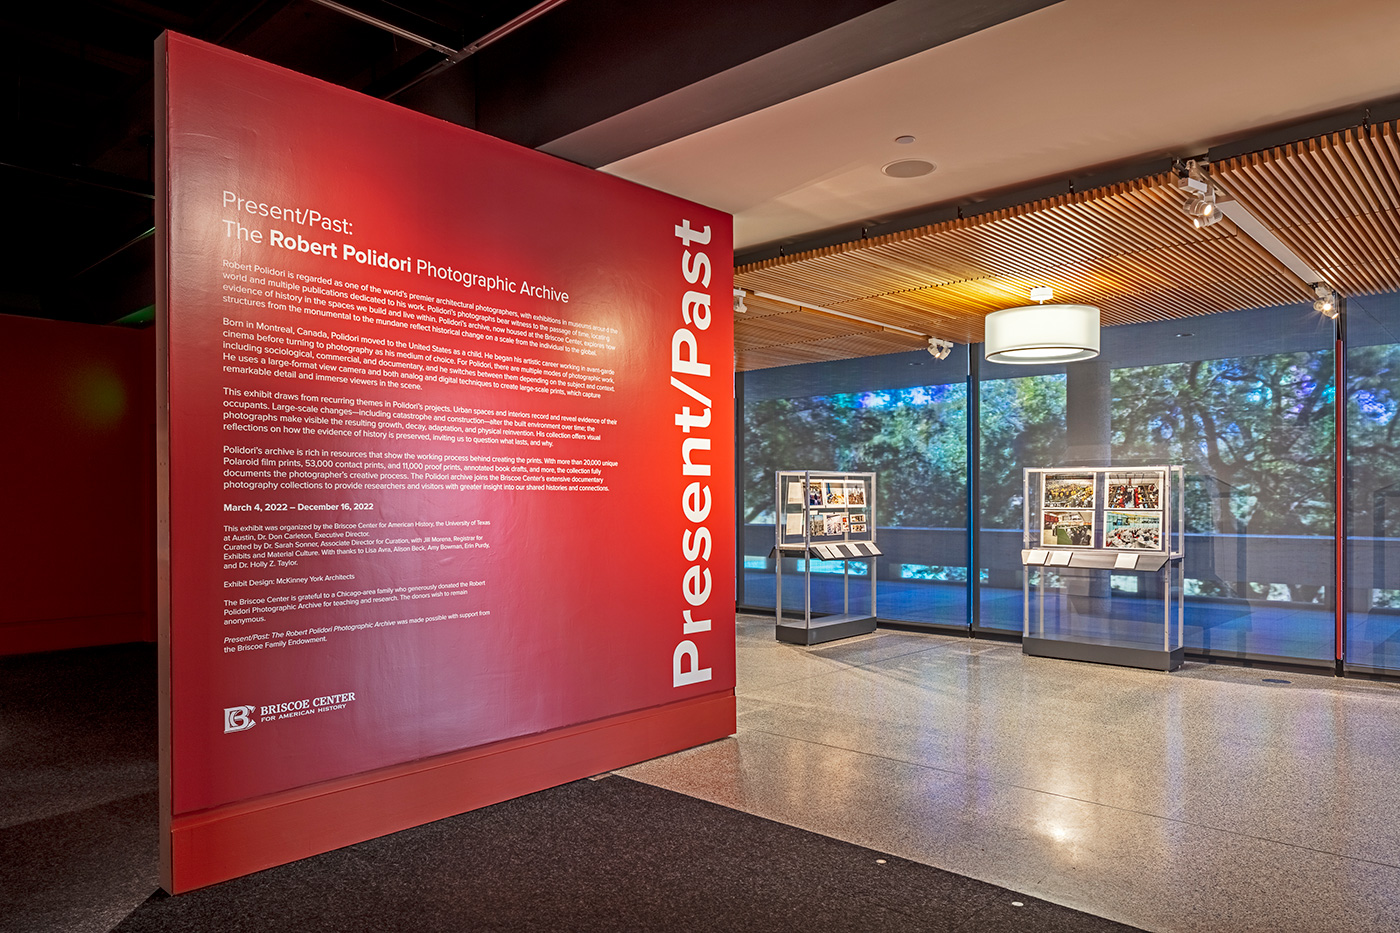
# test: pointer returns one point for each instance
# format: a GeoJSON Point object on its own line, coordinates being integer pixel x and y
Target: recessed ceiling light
{"type": "Point", "coordinates": [1186, 333]}
{"type": "Point", "coordinates": [904, 140]}
{"type": "Point", "coordinates": [908, 168]}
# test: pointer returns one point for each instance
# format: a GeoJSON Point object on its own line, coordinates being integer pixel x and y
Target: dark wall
{"type": "Point", "coordinates": [78, 543]}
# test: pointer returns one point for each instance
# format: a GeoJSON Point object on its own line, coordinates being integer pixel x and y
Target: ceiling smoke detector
{"type": "Point", "coordinates": [909, 168]}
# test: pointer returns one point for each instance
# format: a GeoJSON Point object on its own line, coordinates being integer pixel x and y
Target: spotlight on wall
{"type": "Point", "coordinates": [939, 349]}
{"type": "Point", "coordinates": [1326, 302]}
{"type": "Point", "coordinates": [739, 306]}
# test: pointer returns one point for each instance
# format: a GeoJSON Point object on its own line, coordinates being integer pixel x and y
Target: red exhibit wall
{"type": "Point", "coordinates": [446, 469]}
{"type": "Point", "coordinates": [80, 453]}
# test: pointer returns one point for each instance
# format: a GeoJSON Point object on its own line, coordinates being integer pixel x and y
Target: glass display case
{"type": "Point", "coordinates": [1103, 565]}
{"type": "Point", "coordinates": [826, 517]}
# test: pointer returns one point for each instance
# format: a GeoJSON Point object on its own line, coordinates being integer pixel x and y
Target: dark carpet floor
{"type": "Point", "coordinates": [79, 816]}
{"type": "Point", "coordinates": [78, 848]}
{"type": "Point", "coordinates": [605, 855]}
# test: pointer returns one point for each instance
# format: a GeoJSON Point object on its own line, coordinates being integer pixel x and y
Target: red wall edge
{"type": "Point", "coordinates": [226, 842]}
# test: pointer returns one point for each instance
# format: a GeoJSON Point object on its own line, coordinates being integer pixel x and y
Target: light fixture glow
{"type": "Point", "coordinates": [1200, 203]}
{"type": "Point", "coordinates": [1042, 293]}
{"type": "Point", "coordinates": [1326, 303]}
{"type": "Point", "coordinates": [1042, 334]}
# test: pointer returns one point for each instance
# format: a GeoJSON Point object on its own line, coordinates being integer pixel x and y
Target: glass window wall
{"type": "Point", "coordinates": [903, 417]}
{"type": "Point", "coordinates": [1243, 400]}
{"type": "Point", "coordinates": [1373, 488]}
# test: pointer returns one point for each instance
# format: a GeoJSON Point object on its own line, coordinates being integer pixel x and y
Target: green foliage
{"type": "Point", "coordinates": [1023, 425]}
{"type": "Point", "coordinates": [1373, 440]}
{"type": "Point", "coordinates": [1255, 434]}
{"type": "Point", "coordinates": [914, 439]}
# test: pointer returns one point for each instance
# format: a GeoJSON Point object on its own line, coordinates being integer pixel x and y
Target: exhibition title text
{"type": "Point", "coordinates": [295, 241]}
{"type": "Point", "coordinates": [693, 419]}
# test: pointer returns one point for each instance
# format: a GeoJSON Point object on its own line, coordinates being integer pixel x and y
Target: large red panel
{"type": "Point", "coordinates": [435, 403]}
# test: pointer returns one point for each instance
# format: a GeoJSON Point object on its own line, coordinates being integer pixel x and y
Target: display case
{"type": "Point", "coordinates": [826, 516]}
{"type": "Point", "coordinates": [1103, 565]}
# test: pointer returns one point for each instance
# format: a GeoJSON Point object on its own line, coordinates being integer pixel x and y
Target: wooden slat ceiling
{"type": "Point", "coordinates": [1127, 248]}
{"type": "Point", "coordinates": [1332, 200]}
{"type": "Point", "coordinates": [776, 333]}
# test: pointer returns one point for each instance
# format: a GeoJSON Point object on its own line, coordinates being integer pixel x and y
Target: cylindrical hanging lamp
{"type": "Point", "coordinates": [1042, 334]}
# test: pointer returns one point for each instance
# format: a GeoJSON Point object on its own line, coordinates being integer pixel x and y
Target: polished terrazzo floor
{"type": "Point", "coordinates": [1214, 798]}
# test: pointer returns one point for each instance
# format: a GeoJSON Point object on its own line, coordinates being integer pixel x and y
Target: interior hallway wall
{"type": "Point", "coordinates": [76, 406]}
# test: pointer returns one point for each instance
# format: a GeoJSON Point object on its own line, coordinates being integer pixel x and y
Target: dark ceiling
{"type": "Point", "coordinates": [572, 79]}
{"type": "Point", "coordinates": [77, 154]}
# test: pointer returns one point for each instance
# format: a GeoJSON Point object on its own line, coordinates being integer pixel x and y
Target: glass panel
{"type": "Point", "coordinates": [1023, 425]}
{"type": "Point", "coordinates": [1244, 401]}
{"type": "Point", "coordinates": [1373, 494]}
{"type": "Point", "coordinates": [902, 417]}
{"type": "Point", "coordinates": [1099, 567]}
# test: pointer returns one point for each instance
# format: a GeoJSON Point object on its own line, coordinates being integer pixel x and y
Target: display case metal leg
{"type": "Point", "coordinates": [846, 586]}
{"type": "Point", "coordinates": [807, 579]}
{"type": "Point", "coordinates": [1167, 607]}
{"type": "Point", "coordinates": [778, 609]}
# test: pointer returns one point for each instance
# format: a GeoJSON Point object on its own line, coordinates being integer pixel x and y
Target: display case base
{"type": "Point", "coordinates": [1146, 658]}
{"type": "Point", "coordinates": [825, 629]}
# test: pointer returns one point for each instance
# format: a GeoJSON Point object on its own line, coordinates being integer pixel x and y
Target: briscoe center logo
{"type": "Point", "coordinates": [239, 718]}
{"type": "Point", "coordinates": [242, 718]}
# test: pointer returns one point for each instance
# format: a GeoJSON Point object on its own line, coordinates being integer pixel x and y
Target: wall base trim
{"type": "Point", "coordinates": [225, 842]}
{"type": "Point", "coordinates": [32, 636]}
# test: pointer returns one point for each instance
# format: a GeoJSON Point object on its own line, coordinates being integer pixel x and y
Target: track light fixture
{"type": "Point", "coordinates": [939, 349]}
{"type": "Point", "coordinates": [1200, 206]}
{"type": "Point", "coordinates": [739, 306]}
{"type": "Point", "coordinates": [1326, 302]}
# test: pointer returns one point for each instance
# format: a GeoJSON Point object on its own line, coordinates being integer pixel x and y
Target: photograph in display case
{"type": "Point", "coordinates": [1068, 491]}
{"type": "Point", "coordinates": [814, 495]}
{"type": "Point", "coordinates": [857, 494]}
{"type": "Point", "coordinates": [835, 493]}
{"type": "Point", "coordinates": [817, 526]}
{"type": "Point", "coordinates": [794, 492]}
{"type": "Point", "coordinates": [1067, 528]}
{"type": "Point", "coordinates": [836, 524]}
{"type": "Point", "coordinates": [1133, 491]}
{"type": "Point", "coordinates": [1137, 531]}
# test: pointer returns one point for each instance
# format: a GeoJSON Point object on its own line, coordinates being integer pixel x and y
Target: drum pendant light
{"type": "Point", "coordinates": [1042, 334]}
